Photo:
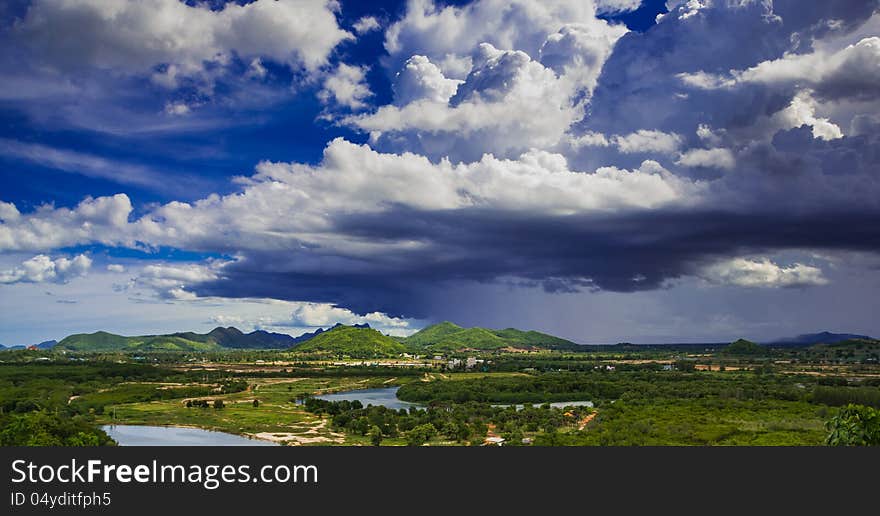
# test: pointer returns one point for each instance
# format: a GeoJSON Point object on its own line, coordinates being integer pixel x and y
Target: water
{"type": "Point", "coordinates": [137, 435]}
{"type": "Point", "coordinates": [387, 397]}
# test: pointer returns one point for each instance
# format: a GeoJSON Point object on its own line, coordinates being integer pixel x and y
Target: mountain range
{"type": "Point", "coordinates": [46, 344]}
{"type": "Point", "coordinates": [217, 339]}
{"type": "Point", "coordinates": [824, 337]}
{"type": "Point", "coordinates": [359, 341]}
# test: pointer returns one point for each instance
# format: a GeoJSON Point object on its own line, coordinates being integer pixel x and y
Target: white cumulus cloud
{"type": "Point", "coordinates": [763, 273]}
{"type": "Point", "coordinates": [648, 141]}
{"type": "Point", "coordinates": [137, 35]}
{"type": "Point", "coordinates": [366, 24]}
{"type": "Point", "coordinates": [711, 158]}
{"type": "Point", "coordinates": [346, 86]}
{"type": "Point", "coordinates": [43, 269]}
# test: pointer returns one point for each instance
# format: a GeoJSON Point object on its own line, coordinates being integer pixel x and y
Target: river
{"type": "Point", "coordinates": [387, 397]}
{"type": "Point", "coordinates": [142, 435]}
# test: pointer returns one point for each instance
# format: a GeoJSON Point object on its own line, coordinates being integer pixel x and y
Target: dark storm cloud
{"type": "Point", "coordinates": [642, 251]}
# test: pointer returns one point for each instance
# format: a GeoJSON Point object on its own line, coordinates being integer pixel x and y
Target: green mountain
{"type": "Point", "coordinates": [218, 338]}
{"type": "Point", "coordinates": [745, 347]}
{"type": "Point", "coordinates": [359, 341]}
{"type": "Point", "coordinates": [104, 342]}
{"type": "Point", "coordinates": [354, 342]}
{"type": "Point", "coordinates": [433, 334]}
{"type": "Point", "coordinates": [447, 336]}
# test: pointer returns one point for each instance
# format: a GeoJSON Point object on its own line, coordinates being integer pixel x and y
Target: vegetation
{"type": "Point", "coordinates": [603, 385]}
{"type": "Point", "coordinates": [353, 342]}
{"type": "Point", "coordinates": [103, 341]}
{"type": "Point", "coordinates": [447, 336]}
{"type": "Point", "coordinates": [698, 422]}
{"type": "Point", "coordinates": [41, 428]}
{"type": "Point", "coordinates": [689, 394]}
{"type": "Point", "coordinates": [745, 347]}
{"type": "Point", "coordinates": [461, 423]}
{"type": "Point", "coordinates": [854, 425]}
{"type": "Point", "coordinates": [217, 339]}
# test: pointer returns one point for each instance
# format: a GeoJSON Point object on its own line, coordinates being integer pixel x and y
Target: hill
{"type": "Point", "coordinates": [47, 344]}
{"type": "Point", "coordinates": [745, 347]}
{"type": "Point", "coordinates": [218, 338]}
{"type": "Point", "coordinates": [102, 341]}
{"type": "Point", "coordinates": [358, 342]}
{"type": "Point", "coordinates": [433, 334]}
{"type": "Point", "coordinates": [447, 336]}
{"type": "Point", "coordinates": [825, 337]}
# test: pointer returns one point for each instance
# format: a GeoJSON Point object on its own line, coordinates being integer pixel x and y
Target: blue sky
{"type": "Point", "coordinates": [608, 170]}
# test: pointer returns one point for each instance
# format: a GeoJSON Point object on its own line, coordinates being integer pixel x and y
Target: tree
{"type": "Point", "coordinates": [376, 435]}
{"type": "Point", "coordinates": [256, 403]}
{"type": "Point", "coordinates": [463, 432]}
{"type": "Point", "coordinates": [854, 425]}
{"type": "Point", "coordinates": [420, 434]}
{"type": "Point", "coordinates": [218, 404]}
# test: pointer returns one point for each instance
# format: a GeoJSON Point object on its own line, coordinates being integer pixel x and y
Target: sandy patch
{"type": "Point", "coordinates": [583, 422]}
{"type": "Point", "coordinates": [308, 437]}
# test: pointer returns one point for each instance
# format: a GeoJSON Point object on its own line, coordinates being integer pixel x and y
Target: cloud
{"type": "Point", "coordinates": [135, 36]}
{"type": "Point", "coordinates": [801, 112]}
{"type": "Point", "coordinates": [648, 141]}
{"type": "Point", "coordinates": [702, 41]}
{"type": "Point", "coordinates": [711, 158]}
{"type": "Point", "coordinates": [762, 273]}
{"type": "Point", "coordinates": [439, 31]}
{"type": "Point", "coordinates": [531, 144]}
{"type": "Point", "coordinates": [134, 67]}
{"type": "Point", "coordinates": [294, 219]}
{"type": "Point", "coordinates": [91, 165]}
{"type": "Point", "coordinates": [852, 72]}
{"type": "Point", "coordinates": [617, 6]}
{"type": "Point", "coordinates": [420, 79]}
{"type": "Point", "coordinates": [43, 269]}
{"type": "Point", "coordinates": [102, 220]}
{"type": "Point", "coordinates": [578, 51]}
{"type": "Point", "coordinates": [325, 315]}
{"type": "Point", "coordinates": [176, 108]}
{"type": "Point", "coordinates": [374, 231]}
{"type": "Point", "coordinates": [346, 86]}
{"type": "Point", "coordinates": [507, 104]}
{"type": "Point", "coordinates": [176, 281]}
{"type": "Point", "coordinates": [8, 212]}
{"type": "Point", "coordinates": [366, 24]}
{"type": "Point", "coordinates": [184, 282]}
{"type": "Point", "coordinates": [491, 76]}
{"type": "Point", "coordinates": [115, 267]}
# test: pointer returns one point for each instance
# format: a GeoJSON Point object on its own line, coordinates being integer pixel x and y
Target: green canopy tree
{"type": "Point", "coordinates": [854, 425]}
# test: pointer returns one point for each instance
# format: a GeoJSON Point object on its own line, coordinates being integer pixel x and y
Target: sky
{"type": "Point", "coordinates": [603, 170]}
